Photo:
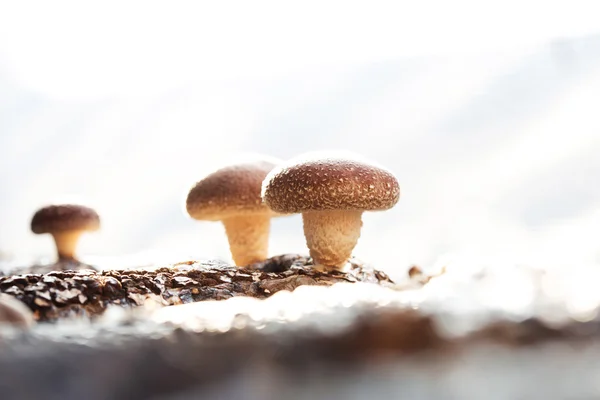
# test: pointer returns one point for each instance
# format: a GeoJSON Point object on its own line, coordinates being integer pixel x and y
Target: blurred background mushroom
{"type": "Point", "coordinates": [232, 195]}
{"type": "Point", "coordinates": [331, 191]}
{"type": "Point", "coordinates": [66, 223]}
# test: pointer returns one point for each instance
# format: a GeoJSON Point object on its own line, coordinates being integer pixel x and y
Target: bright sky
{"type": "Point", "coordinates": [89, 49]}
{"type": "Point", "coordinates": [135, 100]}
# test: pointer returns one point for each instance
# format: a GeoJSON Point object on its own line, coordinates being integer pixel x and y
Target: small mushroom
{"type": "Point", "coordinates": [232, 195]}
{"type": "Point", "coordinates": [66, 223]}
{"type": "Point", "coordinates": [14, 313]}
{"type": "Point", "coordinates": [331, 192]}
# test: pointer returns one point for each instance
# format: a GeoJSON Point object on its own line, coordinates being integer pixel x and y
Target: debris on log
{"type": "Point", "coordinates": [87, 293]}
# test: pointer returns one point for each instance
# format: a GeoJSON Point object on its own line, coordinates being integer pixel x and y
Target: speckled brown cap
{"type": "Point", "coordinates": [330, 183]}
{"type": "Point", "coordinates": [64, 217]}
{"type": "Point", "coordinates": [230, 191]}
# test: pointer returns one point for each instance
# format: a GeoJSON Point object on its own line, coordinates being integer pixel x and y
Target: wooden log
{"type": "Point", "coordinates": [350, 341]}
{"type": "Point", "coordinates": [87, 293]}
{"type": "Point", "coordinates": [455, 336]}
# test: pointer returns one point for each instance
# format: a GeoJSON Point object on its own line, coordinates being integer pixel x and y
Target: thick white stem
{"type": "Point", "coordinates": [248, 237]}
{"type": "Point", "coordinates": [332, 235]}
{"type": "Point", "coordinates": [66, 244]}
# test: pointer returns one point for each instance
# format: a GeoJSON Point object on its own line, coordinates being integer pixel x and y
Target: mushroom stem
{"type": "Point", "coordinates": [331, 235]}
{"type": "Point", "coordinates": [248, 237]}
{"type": "Point", "coordinates": [66, 243]}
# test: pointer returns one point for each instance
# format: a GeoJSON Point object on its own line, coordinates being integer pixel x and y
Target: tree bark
{"type": "Point", "coordinates": [329, 338]}
{"type": "Point", "coordinates": [87, 293]}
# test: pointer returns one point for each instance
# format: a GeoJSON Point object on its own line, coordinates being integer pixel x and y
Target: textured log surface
{"type": "Point", "coordinates": [352, 341]}
{"type": "Point", "coordinates": [86, 292]}
{"type": "Point", "coordinates": [492, 334]}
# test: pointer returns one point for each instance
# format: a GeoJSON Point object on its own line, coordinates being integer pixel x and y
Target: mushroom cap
{"type": "Point", "coordinates": [14, 312]}
{"type": "Point", "coordinates": [330, 183]}
{"type": "Point", "coordinates": [58, 218]}
{"type": "Point", "coordinates": [230, 191]}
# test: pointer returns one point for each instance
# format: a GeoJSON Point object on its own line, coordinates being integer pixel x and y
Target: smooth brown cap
{"type": "Point", "coordinates": [229, 191]}
{"type": "Point", "coordinates": [330, 183]}
{"type": "Point", "coordinates": [65, 217]}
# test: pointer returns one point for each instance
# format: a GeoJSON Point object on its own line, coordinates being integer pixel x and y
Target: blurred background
{"type": "Point", "coordinates": [487, 112]}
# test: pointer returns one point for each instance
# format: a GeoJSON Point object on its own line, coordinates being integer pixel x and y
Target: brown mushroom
{"type": "Point", "coordinates": [331, 192]}
{"type": "Point", "coordinates": [14, 313]}
{"type": "Point", "coordinates": [66, 223]}
{"type": "Point", "coordinates": [232, 195]}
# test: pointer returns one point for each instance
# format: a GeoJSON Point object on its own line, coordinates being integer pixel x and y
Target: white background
{"type": "Point", "coordinates": [486, 111]}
